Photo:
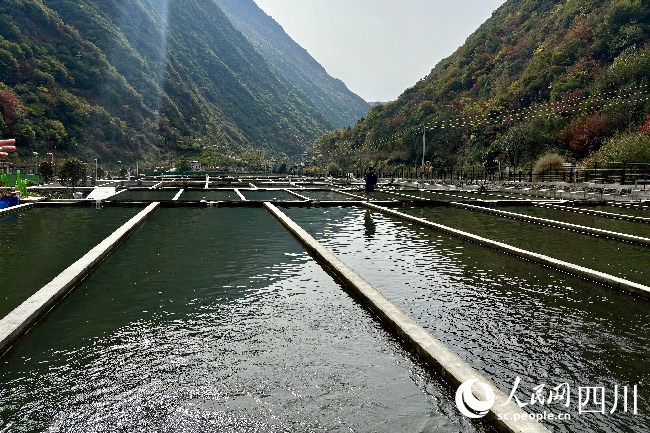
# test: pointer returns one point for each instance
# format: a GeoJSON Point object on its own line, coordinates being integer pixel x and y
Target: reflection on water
{"type": "Point", "coordinates": [145, 195]}
{"type": "Point", "coordinates": [222, 195]}
{"type": "Point", "coordinates": [507, 317]}
{"type": "Point", "coordinates": [326, 195]}
{"type": "Point", "coordinates": [216, 321]}
{"type": "Point", "coordinates": [369, 224]}
{"type": "Point", "coordinates": [255, 195]}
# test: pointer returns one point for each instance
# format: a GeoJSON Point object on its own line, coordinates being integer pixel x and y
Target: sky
{"type": "Point", "coordinates": [379, 48]}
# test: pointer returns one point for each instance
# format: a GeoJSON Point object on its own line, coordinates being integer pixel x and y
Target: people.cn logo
{"type": "Point", "coordinates": [471, 406]}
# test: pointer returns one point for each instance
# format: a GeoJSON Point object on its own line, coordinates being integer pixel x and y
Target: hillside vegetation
{"type": "Point", "coordinates": [151, 80]}
{"type": "Point", "coordinates": [540, 76]}
{"type": "Point", "coordinates": [295, 65]}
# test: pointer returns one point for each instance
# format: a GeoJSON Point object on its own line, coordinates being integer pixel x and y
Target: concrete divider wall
{"type": "Point", "coordinates": [596, 212]}
{"type": "Point", "coordinates": [178, 194]}
{"type": "Point", "coordinates": [559, 224]}
{"type": "Point", "coordinates": [580, 271]}
{"type": "Point", "coordinates": [23, 317]}
{"type": "Point", "coordinates": [13, 209]}
{"type": "Point", "coordinates": [444, 361]}
{"type": "Point", "coordinates": [300, 196]}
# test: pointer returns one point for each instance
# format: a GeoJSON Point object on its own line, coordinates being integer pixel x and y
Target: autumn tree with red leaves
{"type": "Point", "coordinates": [11, 108]}
{"type": "Point", "coordinates": [645, 127]}
{"type": "Point", "coordinates": [587, 134]}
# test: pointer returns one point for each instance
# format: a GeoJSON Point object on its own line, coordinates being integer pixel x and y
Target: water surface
{"type": "Point", "coordinates": [583, 219]}
{"type": "Point", "coordinates": [224, 325]}
{"type": "Point", "coordinates": [224, 195]}
{"type": "Point", "coordinates": [613, 257]}
{"type": "Point", "coordinates": [506, 317]}
{"type": "Point", "coordinates": [146, 195]}
{"type": "Point", "coordinates": [37, 244]}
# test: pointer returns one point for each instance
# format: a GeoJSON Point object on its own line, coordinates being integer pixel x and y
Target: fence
{"type": "Point", "coordinates": [612, 173]}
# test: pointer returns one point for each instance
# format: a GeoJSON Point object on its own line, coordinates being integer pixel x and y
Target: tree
{"type": "Point", "coordinates": [254, 159]}
{"type": "Point", "coordinates": [184, 165]}
{"type": "Point", "coordinates": [46, 170]}
{"type": "Point", "coordinates": [587, 134]}
{"type": "Point", "coordinates": [627, 147]}
{"type": "Point", "coordinates": [282, 169]}
{"type": "Point", "coordinates": [73, 172]}
{"type": "Point", "coordinates": [11, 109]}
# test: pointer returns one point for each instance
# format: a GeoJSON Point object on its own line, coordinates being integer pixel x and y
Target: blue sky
{"type": "Point", "coordinates": [379, 48]}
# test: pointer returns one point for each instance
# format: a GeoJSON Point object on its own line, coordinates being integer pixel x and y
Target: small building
{"type": "Point", "coordinates": [196, 166]}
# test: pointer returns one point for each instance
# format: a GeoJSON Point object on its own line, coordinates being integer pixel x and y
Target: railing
{"type": "Point", "coordinates": [612, 173]}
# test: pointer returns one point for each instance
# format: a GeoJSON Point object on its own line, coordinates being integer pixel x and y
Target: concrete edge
{"type": "Point", "coordinates": [349, 194]}
{"type": "Point", "coordinates": [295, 194]}
{"type": "Point", "coordinates": [23, 317]}
{"type": "Point", "coordinates": [613, 215]}
{"type": "Point", "coordinates": [443, 360]}
{"type": "Point", "coordinates": [178, 194]}
{"type": "Point", "coordinates": [17, 208]}
{"type": "Point", "coordinates": [241, 196]}
{"type": "Point", "coordinates": [122, 191]}
{"type": "Point", "coordinates": [362, 198]}
{"type": "Point", "coordinates": [580, 271]}
{"type": "Point", "coordinates": [558, 224]}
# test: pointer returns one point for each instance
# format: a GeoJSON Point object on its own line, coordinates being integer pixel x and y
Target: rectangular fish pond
{"type": "Point", "coordinates": [218, 319]}
{"type": "Point", "coordinates": [38, 244]}
{"type": "Point", "coordinates": [223, 323]}
{"type": "Point", "coordinates": [507, 317]}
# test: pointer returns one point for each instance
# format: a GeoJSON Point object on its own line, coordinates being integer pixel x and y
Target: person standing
{"type": "Point", "coordinates": [371, 180]}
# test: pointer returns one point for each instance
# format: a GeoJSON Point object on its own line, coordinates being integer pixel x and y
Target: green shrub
{"type": "Point", "coordinates": [333, 169]}
{"type": "Point", "coordinates": [626, 147]}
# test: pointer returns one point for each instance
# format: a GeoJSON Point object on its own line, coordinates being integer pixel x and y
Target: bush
{"type": "Point", "coordinates": [627, 147]}
{"type": "Point", "coordinates": [552, 160]}
{"type": "Point", "coordinates": [333, 169]}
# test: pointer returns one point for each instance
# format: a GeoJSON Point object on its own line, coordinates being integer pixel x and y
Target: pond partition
{"type": "Point", "coordinates": [602, 221]}
{"type": "Point", "coordinates": [210, 195]}
{"type": "Point", "coordinates": [620, 260]}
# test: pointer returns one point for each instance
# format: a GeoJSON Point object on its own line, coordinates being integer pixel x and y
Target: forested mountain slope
{"type": "Point", "coordinates": [145, 79]}
{"type": "Point", "coordinates": [539, 76]}
{"type": "Point", "coordinates": [295, 65]}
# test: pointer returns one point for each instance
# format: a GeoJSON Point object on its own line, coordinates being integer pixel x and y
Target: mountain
{"type": "Point", "coordinates": [148, 80]}
{"type": "Point", "coordinates": [539, 76]}
{"type": "Point", "coordinates": [294, 64]}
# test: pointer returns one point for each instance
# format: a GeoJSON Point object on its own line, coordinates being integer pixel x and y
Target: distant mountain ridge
{"type": "Point", "coordinates": [148, 80]}
{"type": "Point", "coordinates": [294, 64]}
